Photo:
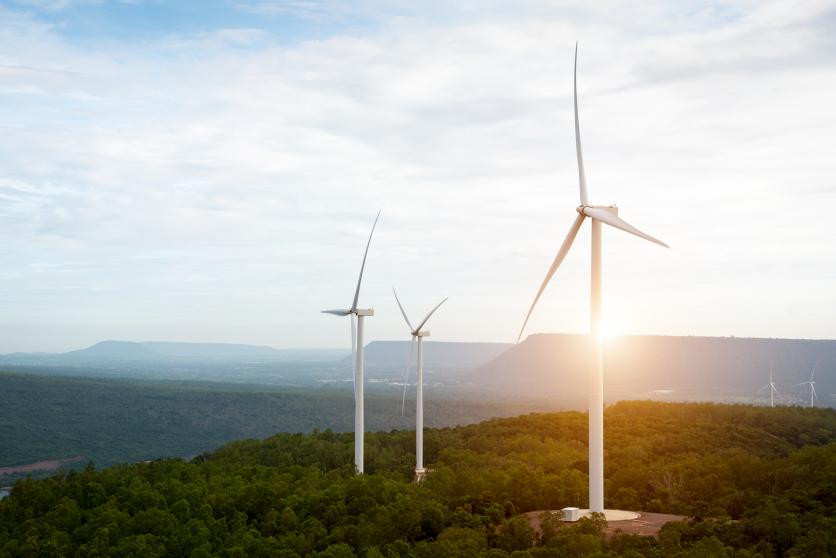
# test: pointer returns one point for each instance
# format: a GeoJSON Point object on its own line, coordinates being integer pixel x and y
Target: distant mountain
{"type": "Point", "coordinates": [224, 351]}
{"type": "Point", "coordinates": [159, 351]}
{"type": "Point", "coordinates": [543, 367]}
{"type": "Point", "coordinates": [439, 354]}
{"type": "Point", "coordinates": [110, 350]}
{"type": "Point", "coordinates": [555, 365]}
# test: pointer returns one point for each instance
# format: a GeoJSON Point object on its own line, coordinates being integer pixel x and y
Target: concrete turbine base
{"type": "Point", "coordinates": [646, 524]}
{"type": "Point", "coordinates": [614, 515]}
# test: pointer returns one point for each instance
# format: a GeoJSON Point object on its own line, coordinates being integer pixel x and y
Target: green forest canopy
{"type": "Point", "coordinates": [111, 421]}
{"type": "Point", "coordinates": [756, 481]}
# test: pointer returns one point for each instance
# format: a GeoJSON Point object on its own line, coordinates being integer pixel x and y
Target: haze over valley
{"type": "Point", "coordinates": [542, 366]}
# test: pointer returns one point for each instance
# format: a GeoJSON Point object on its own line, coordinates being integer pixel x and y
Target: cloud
{"type": "Point", "coordinates": [47, 5]}
{"type": "Point", "coordinates": [228, 176]}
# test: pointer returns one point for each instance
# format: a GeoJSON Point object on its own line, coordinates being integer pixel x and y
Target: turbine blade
{"type": "Point", "coordinates": [814, 370]}
{"type": "Point", "coordinates": [417, 329]}
{"type": "Point", "coordinates": [403, 312]}
{"type": "Point", "coordinates": [406, 373]}
{"type": "Point", "coordinates": [581, 172]}
{"type": "Point", "coordinates": [601, 214]}
{"type": "Point", "coordinates": [775, 389]}
{"type": "Point", "coordinates": [363, 265]}
{"type": "Point", "coordinates": [558, 259]}
{"type": "Point", "coordinates": [337, 312]}
{"type": "Point", "coordinates": [354, 355]}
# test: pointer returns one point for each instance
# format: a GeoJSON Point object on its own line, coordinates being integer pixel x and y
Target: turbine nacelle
{"type": "Point", "coordinates": [356, 312]}
{"type": "Point", "coordinates": [583, 207]}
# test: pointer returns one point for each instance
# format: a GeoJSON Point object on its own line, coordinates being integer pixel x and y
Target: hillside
{"type": "Point", "coordinates": [554, 365]}
{"type": "Point", "coordinates": [756, 481]}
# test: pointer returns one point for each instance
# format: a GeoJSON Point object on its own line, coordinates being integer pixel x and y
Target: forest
{"type": "Point", "coordinates": [754, 482]}
{"type": "Point", "coordinates": [110, 421]}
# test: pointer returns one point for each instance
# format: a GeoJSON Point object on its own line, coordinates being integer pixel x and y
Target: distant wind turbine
{"type": "Point", "coordinates": [357, 357]}
{"type": "Point", "coordinates": [773, 391]}
{"type": "Point", "coordinates": [598, 214]}
{"type": "Point", "coordinates": [812, 383]}
{"type": "Point", "coordinates": [417, 333]}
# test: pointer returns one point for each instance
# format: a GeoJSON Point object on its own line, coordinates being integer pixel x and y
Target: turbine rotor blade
{"type": "Point", "coordinates": [417, 329]}
{"type": "Point", "coordinates": [354, 355]}
{"type": "Point", "coordinates": [406, 373]}
{"type": "Point", "coordinates": [581, 172]}
{"type": "Point", "coordinates": [363, 265]}
{"type": "Point", "coordinates": [814, 370]}
{"type": "Point", "coordinates": [558, 259]}
{"type": "Point", "coordinates": [337, 312]}
{"type": "Point", "coordinates": [601, 214]}
{"type": "Point", "coordinates": [403, 312]}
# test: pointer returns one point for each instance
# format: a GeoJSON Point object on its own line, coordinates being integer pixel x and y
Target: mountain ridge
{"type": "Point", "coordinates": [555, 364]}
{"type": "Point", "coordinates": [161, 350]}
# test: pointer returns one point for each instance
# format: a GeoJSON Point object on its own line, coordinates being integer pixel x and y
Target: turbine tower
{"type": "Point", "coordinates": [773, 391]}
{"type": "Point", "coordinates": [812, 384]}
{"type": "Point", "coordinates": [598, 214]}
{"type": "Point", "coordinates": [417, 333]}
{"type": "Point", "coordinates": [357, 357]}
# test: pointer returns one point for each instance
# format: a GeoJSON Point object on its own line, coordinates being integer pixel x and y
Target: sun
{"type": "Point", "coordinates": [610, 328]}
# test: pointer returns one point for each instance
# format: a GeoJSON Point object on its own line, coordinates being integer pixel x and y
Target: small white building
{"type": "Point", "coordinates": [571, 514]}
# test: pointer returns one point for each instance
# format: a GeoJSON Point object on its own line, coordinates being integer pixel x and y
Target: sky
{"type": "Point", "coordinates": [210, 170]}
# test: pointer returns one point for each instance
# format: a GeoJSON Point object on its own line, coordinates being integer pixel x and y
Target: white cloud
{"type": "Point", "coordinates": [195, 184]}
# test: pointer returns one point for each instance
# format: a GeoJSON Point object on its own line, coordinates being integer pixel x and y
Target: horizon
{"type": "Point", "coordinates": [511, 343]}
{"type": "Point", "coordinates": [205, 171]}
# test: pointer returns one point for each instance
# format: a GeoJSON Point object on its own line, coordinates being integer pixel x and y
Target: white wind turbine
{"type": "Point", "coordinates": [773, 391]}
{"type": "Point", "coordinates": [812, 384]}
{"type": "Point", "coordinates": [357, 357]}
{"type": "Point", "coordinates": [598, 214]}
{"type": "Point", "coordinates": [419, 334]}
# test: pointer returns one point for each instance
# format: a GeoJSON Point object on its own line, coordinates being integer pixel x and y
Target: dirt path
{"type": "Point", "coordinates": [47, 465]}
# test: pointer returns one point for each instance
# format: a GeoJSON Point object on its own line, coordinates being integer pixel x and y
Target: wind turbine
{"type": "Point", "coordinates": [417, 333]}
{"type": "Point", "coordinates": [812, 384]}
{"type": "Point", "coordinates": [773, 391]}
{"type": "Point", "coordinates": [609, 216]}
{"type": "Point", "coordinates": [357, 357]}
